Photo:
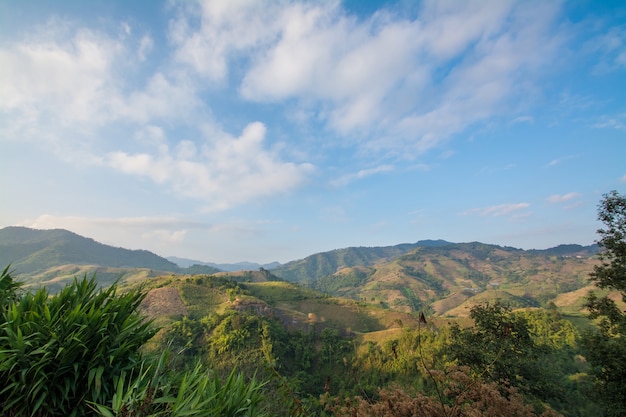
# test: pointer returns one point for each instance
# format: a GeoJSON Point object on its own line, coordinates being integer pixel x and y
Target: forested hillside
{"type": "Point", "coordinates": [30, 250]}
{"type": "Point", "coordinates": [327, 263]}
{"type": "Point", "coordinates": [54, 257]}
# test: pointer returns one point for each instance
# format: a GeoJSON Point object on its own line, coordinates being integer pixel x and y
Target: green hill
{"type": "Point", "coordinates": [327, 263]}
{"type": "Point", "coordinates": [42, 256]}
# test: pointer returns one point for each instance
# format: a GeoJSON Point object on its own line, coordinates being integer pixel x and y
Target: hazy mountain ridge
{"type": "Point", "coordinates": [228, 267]}
{"type": "Point", "coordinates": [327, 263]}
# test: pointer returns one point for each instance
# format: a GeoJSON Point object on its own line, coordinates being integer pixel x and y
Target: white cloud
{"type": "Point", "coordinates": [49, 221]}
{"type": "Point", "coordinates": [609, 49]}
{"type": "Point", "coordinates": [394, 83]}
{"type": "Point", "coordinates": [497, 210]}
{"type": "Point", "coordinates": [55, 86]}
{"type": "Point", "coordinates": [162, 99]}
{"type": "Point", "coordinates": [416, 82]}
{"type": "Point", "coordinates": [558, 161]}
{"type": "Point", "coordinates": [65, 78]}
{"type": "Point", "coordinates": [612, 122]}
{"type": "Point", "coordinates": [346, 179]}
{"type": "Point", "coordinates": [558, 199]}
{"type": "Point", "coordinates": [140, 232]}
{"type": "Point", "coordinates": [523, 119]}
{"type": "Point", "coordinates": [225, 30]}
{"type": "Point", "coordinates": [66, 93]}
{"type": "Point", "coordinates": [222, 172]}
{"type": "Point", "coordinates": [623, 179]}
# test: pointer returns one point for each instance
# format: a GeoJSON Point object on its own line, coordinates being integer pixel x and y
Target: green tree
{"type": "Point", "coordinates": [605, 348]}
{"type": "Point", "coordinates": [502, 347]}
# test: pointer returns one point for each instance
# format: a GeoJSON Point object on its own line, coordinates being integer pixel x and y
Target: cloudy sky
{"type": "Point", "coordinates": [267, 131]}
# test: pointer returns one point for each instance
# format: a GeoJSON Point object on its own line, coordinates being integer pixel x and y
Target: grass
{"type": "Point", "coordinates": [581, 321]}
{"type": "Point", "coordinates": [273, 292]}
{"type": "Point", "coordinates": [201, 300]}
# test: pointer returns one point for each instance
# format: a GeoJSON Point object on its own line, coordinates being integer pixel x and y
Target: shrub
{"type": "Point", "coordinates": [58, 352]}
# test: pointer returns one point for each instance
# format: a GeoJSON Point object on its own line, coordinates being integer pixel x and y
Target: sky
{"type": "Point", "coordinates": [261, 131]}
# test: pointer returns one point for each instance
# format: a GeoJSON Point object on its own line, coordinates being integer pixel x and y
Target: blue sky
{"type": "Point", "coordinates": [269, 131]}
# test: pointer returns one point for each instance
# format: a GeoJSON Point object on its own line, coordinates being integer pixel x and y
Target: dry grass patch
{"type": "Point", "coordinates": [163, 302]}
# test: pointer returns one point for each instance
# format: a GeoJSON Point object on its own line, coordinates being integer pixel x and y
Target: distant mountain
{"type": "Point", "coordinates": [447, 278]}
{"type": "Point", "coordinates": [327, 263]}
{"type": "Point", "coordinates": [228, 267]}
{"type": "Point", "coordinates": [30, 250]}
{"type": "Point", "coordinates": [569, 250]}
{"type": "Point", "coordinates": [442, 277]}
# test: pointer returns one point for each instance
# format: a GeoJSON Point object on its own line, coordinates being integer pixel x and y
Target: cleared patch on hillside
{"type": "Point", "coordinates": [163, 301]}
{"type": "Point", "coordinates": [446, 304]}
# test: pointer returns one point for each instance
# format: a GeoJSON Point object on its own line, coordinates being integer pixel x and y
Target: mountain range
{"type": "Point", "coordinates": [237, 266]}
{"type": "Point", "coordinates": [442, 277]}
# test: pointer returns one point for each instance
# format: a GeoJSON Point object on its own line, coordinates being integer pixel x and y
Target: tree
{"type": "Point", "coordinates": [612, 272]}
{"type": "Point", "coordinates": [464, 397]}
{"type": "Point", "coordinates": [605, 348]}
{"type": "Point", "coordinates": [501, 347]}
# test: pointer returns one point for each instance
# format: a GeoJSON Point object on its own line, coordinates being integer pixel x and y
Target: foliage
{"type": "Point", "coordinates": [334, 283]}
{"type": "Point", "coordinates": [605, 349]}
{"type": "Point", "coordinates": [303, 363]}
{"type": "Point", "coordinates": [153, 391]}
{"type": "Point", "coordinates": [464, 396]}
{"type": "Point", "coordinates": [327, 263]}
{"type": "Point", "coordinates": [9, 288]}
{"type": "Point", "coordinates": [502, 347]}
{"type": "Point", "coordinates": [612, 272]}
{"type": "Point", "coordinates": [78, 353]}
{"type": "Point", "coordinates": [58, 352]}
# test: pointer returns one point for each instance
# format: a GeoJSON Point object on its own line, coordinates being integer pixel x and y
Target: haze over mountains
{"type": "Point", "coordinates": [238, 266]}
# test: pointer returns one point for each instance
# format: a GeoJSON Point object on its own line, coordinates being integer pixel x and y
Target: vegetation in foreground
{"type": "Point", "coordinates": [89, 351]}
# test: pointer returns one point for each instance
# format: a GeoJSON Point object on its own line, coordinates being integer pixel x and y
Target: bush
{"type": "Point", "coordinates": [58, 352]}
{"type": "Point", "coordinates": [77, 353]}
{"type": "Point", "coordinates": [463, 396]}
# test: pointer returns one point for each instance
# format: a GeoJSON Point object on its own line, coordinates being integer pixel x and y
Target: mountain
{"type": "Point", "coordinates": [41, 256]}
{"type": "Point", "coordinates": [442, 277]}
{"type": "Point", "coordinates": [448, 276]}
{"type": "Point", "coordinates": [229, 267]}
{"type": "Point", "coordinates": [29, 250]}
{"type": "Point", "coordinates": [327, 263]}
